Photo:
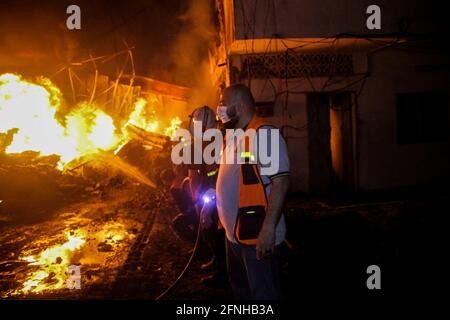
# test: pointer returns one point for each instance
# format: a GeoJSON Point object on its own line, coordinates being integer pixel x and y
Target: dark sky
{"type": "Point", "coordinates": [34, 39]}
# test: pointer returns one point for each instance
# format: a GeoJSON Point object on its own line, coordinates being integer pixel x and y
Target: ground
{"type": "Point", "coordinates": [123, 241]}
{"type": "Point", "coordinates": [129, 250]}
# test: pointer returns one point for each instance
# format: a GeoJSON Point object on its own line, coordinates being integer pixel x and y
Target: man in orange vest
{"type": "Point", "coordinates": [250, 202]}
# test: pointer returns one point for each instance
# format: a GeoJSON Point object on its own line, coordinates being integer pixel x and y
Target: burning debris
{"type": "Point", "coordinates": [52, 265]}
{"type": "Point", "coordinates": [29, 122]}
{"type": "Point", "coordinates": [30, 109]}
{"type": "Point", "coordinates": [39, 133]}
{"type": "Point", "coordinates": [81, 153]}
{"type": "Point", "coordinates": [67, 162]}
{"type": "Point", "coordinates": [93, 235]}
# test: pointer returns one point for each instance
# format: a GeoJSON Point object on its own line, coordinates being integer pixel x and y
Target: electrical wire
{"type": "Point", "coordinates": [403, 26]}
{"type": "Point", "coordinates": [188, 264]}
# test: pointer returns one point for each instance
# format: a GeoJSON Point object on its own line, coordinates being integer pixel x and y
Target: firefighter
{"type": "Point", "coordinates": [186, 221]}
{"type": "Point", "coordinates": [196, 194]}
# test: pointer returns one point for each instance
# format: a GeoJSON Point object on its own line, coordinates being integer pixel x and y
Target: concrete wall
{"type": "Point", "coordinates": [295, 116]}
{"type": "Point", "coordinates": [311, 18]}
{"type": "Point", "coordinates": [382, 163]}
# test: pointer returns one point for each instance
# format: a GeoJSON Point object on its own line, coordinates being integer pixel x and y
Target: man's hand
{"type": "Point", "coordinates": [265, 245]}
{"type": "Point", "coordinates": [266, 238]}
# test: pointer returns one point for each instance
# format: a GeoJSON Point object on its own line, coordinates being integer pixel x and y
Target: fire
{"type": "Point", "coordinates": [82, 247]}
{"type": "Point", "coordinates": [91, 130]}
{"type": "Point", "coordinates": [113, 232]}
{"type": "Point", "coordinates": [52, 265]}
{"type": "Point", "coordinates": [144, 116]}
{"type": "Point", "coordinates": [30, 115]}
{"type": "Point", "coordinates": [30, 109]}
{"type": "Point", "coordinates": [139, 117]}
{"type": "Point", "coordinates": [174, 125]}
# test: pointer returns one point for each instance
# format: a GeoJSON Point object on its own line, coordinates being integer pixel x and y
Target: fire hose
{"type": "Point", "coordinates": [207, 198]}
{"type": "Point", "coordinates": [186, 268]}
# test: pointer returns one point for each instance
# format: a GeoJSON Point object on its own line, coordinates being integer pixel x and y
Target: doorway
{"type": "Point", "coordinates": [331, 142]}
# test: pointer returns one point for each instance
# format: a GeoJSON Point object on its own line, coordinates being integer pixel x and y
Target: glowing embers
{"type": "Point", "coordinates": [83, 247]}
{"type": "Point", "coordinates": [53, 264]}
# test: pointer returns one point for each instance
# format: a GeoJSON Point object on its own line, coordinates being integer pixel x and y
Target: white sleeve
{"type": "Point", "coordinates": [277, 162]}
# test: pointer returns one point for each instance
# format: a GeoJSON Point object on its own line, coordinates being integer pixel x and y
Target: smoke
{"type": "Point", "coordinates": [190, 50]}
{"type": "Point", "coordinates": [170, 41]}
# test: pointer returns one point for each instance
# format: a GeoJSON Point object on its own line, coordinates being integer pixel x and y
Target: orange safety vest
{"type": "Point", "coordinates": [252, 201]}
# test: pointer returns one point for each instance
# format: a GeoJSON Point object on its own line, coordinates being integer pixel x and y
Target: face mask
{"type": "Point", "coordinates": [222, 114]}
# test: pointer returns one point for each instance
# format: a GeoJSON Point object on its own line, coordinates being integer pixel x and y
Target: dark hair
{"type": "Point", "coordinates": [242, 93]}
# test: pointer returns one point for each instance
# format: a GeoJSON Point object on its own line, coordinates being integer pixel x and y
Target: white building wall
{"type": "Point", "coordinates": [381, 162]}
{"type": "Point", "coordinates": [326, 18]}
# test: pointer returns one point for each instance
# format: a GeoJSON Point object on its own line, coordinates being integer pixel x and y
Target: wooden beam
{"type": "Point", "coordinates": [161, 87]}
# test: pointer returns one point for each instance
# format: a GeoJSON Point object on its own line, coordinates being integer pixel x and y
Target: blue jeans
{"type": "Point", "coordinates": [253, 279]}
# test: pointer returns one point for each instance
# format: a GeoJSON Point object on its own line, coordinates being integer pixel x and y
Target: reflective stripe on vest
{"type": "Point", "coordinates": [211, 173]}
{"type": "Point", "coordinates": [247, 155]}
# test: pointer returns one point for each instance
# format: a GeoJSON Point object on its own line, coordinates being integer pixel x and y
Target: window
{"type": "Point", "coordinates": [422, 117]}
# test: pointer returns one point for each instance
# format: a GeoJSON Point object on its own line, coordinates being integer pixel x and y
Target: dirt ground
{"type": "Point", "coordinates": [139, 260]}
{"type": "Point", "coordinates": [130, 249]}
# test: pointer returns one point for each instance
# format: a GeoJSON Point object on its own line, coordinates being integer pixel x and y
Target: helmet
{"type": "Point", "coordinates": [205, 115]}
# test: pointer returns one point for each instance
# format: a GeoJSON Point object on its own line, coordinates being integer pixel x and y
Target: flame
{"type": "Point", "coordinates": [144, 116]}
{"type": "Point", "coordinates": [139, 118]}
{"type": "Point", "coordinates": [113, 232]}
{"type": "Point", "coordinates": [91, 129]}
{"type": "Point", "coordinates": [28, 115]}
{"type": "Point", "coordinates": [31, 108]}
{"type": "Point", "coordinates": [174, 125]}
{"type": "Point", "coordinates": [53, 264]}
{"type": "Point", "coordinates": [80, 247]}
